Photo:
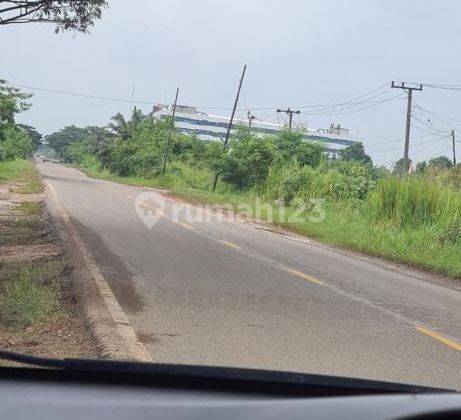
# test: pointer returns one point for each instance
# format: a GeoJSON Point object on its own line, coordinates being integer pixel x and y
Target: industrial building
{"type": "Point", "coordinates": [190, 120]}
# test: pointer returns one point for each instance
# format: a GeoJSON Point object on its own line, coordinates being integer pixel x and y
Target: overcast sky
{"type": "Point", "coordinates": [299, 53]}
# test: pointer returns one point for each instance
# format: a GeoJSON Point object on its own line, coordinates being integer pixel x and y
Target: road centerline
{"type": "Point", "coordinates": [439, 337]}
{"type": "Point", "coordinates": [305, 276]}
{"type": "Point", "coordinates": [231, 244]}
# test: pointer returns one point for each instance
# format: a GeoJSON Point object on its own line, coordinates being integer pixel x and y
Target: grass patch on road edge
{"type": "Point", "coordinates": [31, 291]}
{"type": "Point", "coordinates": [21, 171]}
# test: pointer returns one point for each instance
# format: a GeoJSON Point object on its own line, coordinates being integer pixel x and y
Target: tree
{"type": "Point", "coordinates": [14, 142]}
{"type": "Point", "coordinates": [63, 138]}
{"type": "Point", "coordinates": [440, 162]}
{"type": "Point", "coordinates": [379, 172]}
{"type": "Point", "coordinates": [398, 167]}
{"type": "Point", "coordinates": [355, 153]}
{"type": "Point", "coordinates": [248, 161]}
{"type": "Point", "coordinates": [76, 15]}
{"type": "Point", "coordinates": [34, 135]}
{"type": "Point", "coordinates": [119, 126]}
{"type": "Point", "coordinates": [12, 101]}
{"type": "Point", "coordinates": [421, 167]}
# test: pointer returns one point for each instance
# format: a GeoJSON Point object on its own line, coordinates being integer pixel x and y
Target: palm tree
{"type": "Point", "coordinates": [126, 129]}
{"type": "Point", "coordinates": [119, 127]}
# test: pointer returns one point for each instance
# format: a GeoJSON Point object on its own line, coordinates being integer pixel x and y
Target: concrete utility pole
{"type": "Point", "coordinates": [229, 127]}
{"type": "Point", "coordinates": [454, 147]}
{"type": "Point", "coordinates": [167, 148]}
{"type": "Point", "coordinates": [290, 115]}
{"type": "Point", "coordinates": [250, 118]}
{"type": "Point", "coordinates": [409, 90]}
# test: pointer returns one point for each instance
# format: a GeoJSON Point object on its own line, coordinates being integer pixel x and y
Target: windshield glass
{"type": "Point", "coordinates": [255, 185]}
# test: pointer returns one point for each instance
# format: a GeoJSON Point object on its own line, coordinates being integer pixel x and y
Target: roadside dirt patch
{"type": "Point", "coordinates": [21, 198]}
{"type": "Point", "coordinates": [39, 313]}
{"type": "Point", "coordinates": [20, 253]}
{"type": "Point", "coordinates": [65, 337]}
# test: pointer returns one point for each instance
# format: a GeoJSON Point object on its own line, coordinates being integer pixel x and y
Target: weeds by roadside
{"type": "Point", "coordinates": [30, 292]}
{"type": "Point", "coordinates": [37, 306]}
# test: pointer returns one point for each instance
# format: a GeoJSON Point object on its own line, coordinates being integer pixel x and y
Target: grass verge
{"type": "Point", "coordinates": [31, 292]}
{"type": "Point", "coordinates": [22, 173]}
{"type": "Point", "coordinates": [38, 313]}
{"type": "Point", "coordinates": [346, 225]}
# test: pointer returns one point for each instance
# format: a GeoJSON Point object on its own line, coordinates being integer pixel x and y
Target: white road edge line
{"type": "Point", "coordinates": [124, 327]}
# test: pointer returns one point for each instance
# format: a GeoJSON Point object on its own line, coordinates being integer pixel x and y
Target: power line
{"type": "Point", "coordinates": [456, 88]}
{"type": "Point", "coordinates": [371, 105]}
{"type": "Point", "coordinates": [423, 123]}
{"type": "Point", "coordinates": [398, 148]}
{"type": "Point", "coordinates": [433, 140]}
{"type": "Point", "coordinates": [347, 101]}
{"type": "Point", "coordinates": [84, 95]}
{"type": "Point", "coordinates": [145, 102]}
{"type": "Point", "coordinates": [437, 115]}
{"type": "Point", "coordinates": [334, 108]}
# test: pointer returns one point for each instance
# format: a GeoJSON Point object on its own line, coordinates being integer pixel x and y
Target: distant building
{"type": "Point", "coordinates": [190, 120]}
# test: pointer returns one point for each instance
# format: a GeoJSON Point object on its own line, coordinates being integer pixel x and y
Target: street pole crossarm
{"type": "Point", "coordinates": [401, 85]}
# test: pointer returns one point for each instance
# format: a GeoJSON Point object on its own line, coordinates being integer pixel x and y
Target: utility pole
{"type": "Point", "coordinates": [250, 118]}
{"type": "Point", "coordinates": [454, 147]}
{"type": "Point", "coordinates": [133, 106]}
{"type": "Point", "coordinates": [229, 127]}
{"type": "Point", "coordinates": [409, 90]}
{"type": "Point", "coordinates": [167, 148]}
{"type": "Point", "coordinates": [290, 115]}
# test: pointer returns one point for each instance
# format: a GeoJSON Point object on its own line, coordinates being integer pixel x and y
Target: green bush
{"type": "Point", "coordinates": [15, 143]}
{"type": "Point", "coordinates": [248, 161]}
{"type": "Point", "coordinates": [341, 181]}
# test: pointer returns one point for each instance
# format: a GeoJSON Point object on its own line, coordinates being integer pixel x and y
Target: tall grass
{"type": "Point", "coordinates": [413, 202]}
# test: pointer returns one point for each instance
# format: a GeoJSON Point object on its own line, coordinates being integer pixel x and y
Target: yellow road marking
{"type": "Point", "coordinates": [304, 276]}
{"type": "Point", "coordinates": [187, 225]}
{"type": "Point", "coordinates": [441, 338]}
{"type": "Point", "coordinates": [231, 245]}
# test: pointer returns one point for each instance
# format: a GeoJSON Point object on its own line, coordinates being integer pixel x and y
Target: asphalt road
{"type": "Point", "coordinates": [235, 293]}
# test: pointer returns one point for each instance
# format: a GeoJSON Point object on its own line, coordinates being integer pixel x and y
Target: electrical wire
{"type": "Point", "coordinates": [370, 105]}
{"type": "Point", "coordinates": [326, 110]}
{"type": "Point", "coordinates": [414, 145]}
{"type": "Point", "coordinates": [348, 103]}
{"type": "Point", "coordinates": [438, 116]}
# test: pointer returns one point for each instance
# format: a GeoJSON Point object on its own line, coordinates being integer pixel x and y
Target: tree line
{"type": "Point", "coordinates": [16, 140]}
